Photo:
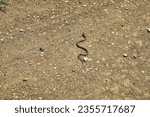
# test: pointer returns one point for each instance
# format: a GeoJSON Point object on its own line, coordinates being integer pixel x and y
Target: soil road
{"type": "Point", "coordinates": [39, 56]}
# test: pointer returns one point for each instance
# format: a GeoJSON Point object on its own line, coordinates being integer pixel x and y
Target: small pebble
{"type": "Point", "coordinates": [22, 30]}
{"type": "Point", "coordinates": [26, 79]}
{"type": "Point", "coordinates": [143, 71]}
{"type": "Point", "coordinates": [125, 55]}
{"type": "Point", "coordinates": [134, 56]}
{"type": "Point", "coordinates": [40, 98]}
{"type": "Point", "coordinates": [148, 30]}
{"type": "Point", "coordinates": [86, 59]}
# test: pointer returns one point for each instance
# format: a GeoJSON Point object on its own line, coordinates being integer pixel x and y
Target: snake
{"type": "Point", "coordinates": [80, 56]}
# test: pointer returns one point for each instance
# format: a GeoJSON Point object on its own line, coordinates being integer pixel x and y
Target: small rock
{"type": "Point", "coordinates": [92, 30]}
{"type": "Point", "coordinates": [86, 59]}
{"type": "Point", "coordinates": [97, 61]}
{"type": "Point", "coordinates": [134, 56]}
{"type": "Point", "coordinates": [40, 98]}
{"type": "Point", "coordinates": [26, 79]}
{"type": "Point", "coordinates": [143, 71]}
{"type": "Point", "coordinates": [21, 30]}
{"type": "Point", "coordinates": [125, 55]}
{"type": "Point", "coordinates": [148, 30]}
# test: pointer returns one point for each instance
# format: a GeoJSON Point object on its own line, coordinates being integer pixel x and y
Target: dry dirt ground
{"type": "Point", "coordinates": [39, 56]}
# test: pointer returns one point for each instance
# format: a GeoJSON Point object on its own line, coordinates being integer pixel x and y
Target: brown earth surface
{"type": "Point", "coordinates": [39, 56]}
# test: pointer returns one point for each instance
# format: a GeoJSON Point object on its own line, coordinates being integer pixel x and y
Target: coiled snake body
{"type": "Point", "coordinates": [80, 56]}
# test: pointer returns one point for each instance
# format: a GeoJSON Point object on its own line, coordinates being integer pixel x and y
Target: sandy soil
{"type": "Point", "coordinates": [39, 56]}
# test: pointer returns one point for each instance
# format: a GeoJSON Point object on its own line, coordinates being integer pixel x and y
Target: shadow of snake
{"type": "Point", "coordinates": [80, 56]}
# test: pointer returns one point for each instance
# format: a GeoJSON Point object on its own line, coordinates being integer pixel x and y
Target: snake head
{"type": "Point", "coordinates": [83, 35]}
